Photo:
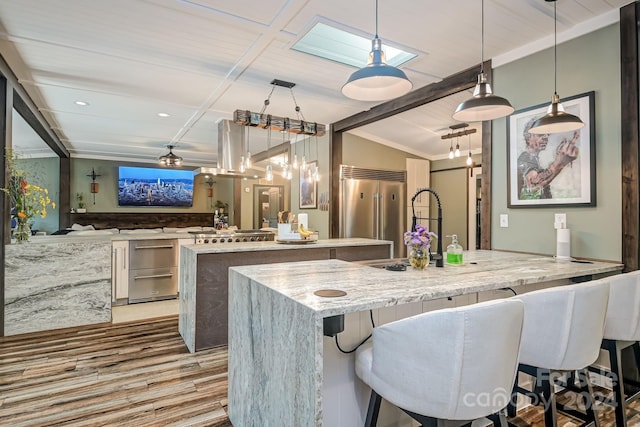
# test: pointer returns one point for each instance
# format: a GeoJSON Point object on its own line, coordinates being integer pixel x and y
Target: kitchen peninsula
{"type": "Point", "coordinates": [203, 308]}
{"type": "Point", "coordinates": [282, 371]}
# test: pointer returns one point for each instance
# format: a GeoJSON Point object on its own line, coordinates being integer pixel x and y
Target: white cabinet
{"type": "Point", "coordinates": [418, 171]}
{"type": "Point", "coordinates": [119, 271]}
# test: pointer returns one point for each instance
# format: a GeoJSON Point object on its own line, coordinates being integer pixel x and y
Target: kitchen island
{"type": "Point", "coordinates": [57, 282]}
{"type": "Point", "coordinates": [203, 319]}
{"type": "Point", "coordinates": [62, 281]}
{"type": "Point", "coordinates": [282, 371]}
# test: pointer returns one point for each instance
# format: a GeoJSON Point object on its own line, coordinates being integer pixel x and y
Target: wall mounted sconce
{"type": "Point", "coordinates": [95, 187]}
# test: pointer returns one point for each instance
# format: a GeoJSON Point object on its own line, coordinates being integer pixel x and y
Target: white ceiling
{"type": "Point", "coordinates": [199, 60]}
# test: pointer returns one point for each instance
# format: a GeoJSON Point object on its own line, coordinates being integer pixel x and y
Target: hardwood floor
{"type": "Point", "coordinates": [133, 374]}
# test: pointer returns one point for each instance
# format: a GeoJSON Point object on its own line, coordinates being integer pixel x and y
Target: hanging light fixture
{"type": "Point", "coordinates": [294, 163]}
{"type": "Point", "coordinates": [457, 136]}
{"type": "Point", "coordinates": [170, 159]}
{"type": "Point", "coordinates": [483, 105]}
{"type": "Point", "coordinates": [556, 120]}
{"type": "Point", "coordinates": [451, 155]}
{"type": "Point", "coordinates": [377, 81]}
{"type": "Point", "coordinates": [469, 159]}
{"type": "Point", "coordinates": [316, 172]}
{"type": "Point", "coordinates": [268, 170]}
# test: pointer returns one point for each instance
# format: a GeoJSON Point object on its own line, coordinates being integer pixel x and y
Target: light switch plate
{"type": "Point", "coordinates": [560, 221]}
{"type": "Point", "coordinates": [504, 220]}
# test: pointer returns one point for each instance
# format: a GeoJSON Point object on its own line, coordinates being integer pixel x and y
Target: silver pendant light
{"type": "Point", "coordinates": [483, 105]}
{"type": "Point", "coordinates": [556, 120]}
{"type": "Point", "coordinates": [377, 81]}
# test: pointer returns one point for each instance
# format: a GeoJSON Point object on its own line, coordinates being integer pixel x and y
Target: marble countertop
{"type": "Point", "coordinates": [276, 246]}
{"type": "Point", "coordinates": [373, 287]}
{"type": "Point", "coordinates": [79, 238]}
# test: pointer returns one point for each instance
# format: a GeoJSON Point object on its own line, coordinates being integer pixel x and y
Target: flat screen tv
{"type": "Point", "coordinates": [154, 187]}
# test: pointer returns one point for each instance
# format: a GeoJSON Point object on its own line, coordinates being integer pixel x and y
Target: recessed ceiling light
{"type": "Point", "coordinates": [82, 103]}
{"type": "Point", "coordinates": [163, 114]}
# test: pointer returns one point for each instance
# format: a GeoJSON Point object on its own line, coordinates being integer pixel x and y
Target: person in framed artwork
{"type": "Point", "coordinates": [533, 179]}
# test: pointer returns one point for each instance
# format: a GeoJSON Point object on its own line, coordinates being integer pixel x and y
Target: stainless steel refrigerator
{"type": "Point", "coordinates": [373, 205]}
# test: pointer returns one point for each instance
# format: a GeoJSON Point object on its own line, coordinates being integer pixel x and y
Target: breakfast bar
{"type": "Point", "coordinates": [284, 371]}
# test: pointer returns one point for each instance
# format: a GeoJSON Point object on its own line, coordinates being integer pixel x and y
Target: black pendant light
{"type": "Point", "coordinates": [170, 159]}
{"type": "Point", "coordinates": [377, 81]}
{"type": "Point", "coordinates": [483, 105]}
{"type": "Point", "coordinates": [556, 120]}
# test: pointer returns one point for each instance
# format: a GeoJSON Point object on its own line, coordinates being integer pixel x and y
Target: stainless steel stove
{"type": "Point", "coordinates": [236, 236]}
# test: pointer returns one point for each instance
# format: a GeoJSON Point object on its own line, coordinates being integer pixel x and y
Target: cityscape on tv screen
{"type": "Point", "coordinates": [154, 187]}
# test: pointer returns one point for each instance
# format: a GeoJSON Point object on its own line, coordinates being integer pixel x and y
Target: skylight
{"type": "Point", "coordinates": [344, 47]}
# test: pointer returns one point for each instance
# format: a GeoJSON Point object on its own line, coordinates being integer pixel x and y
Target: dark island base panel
{"type": "Point", "coordinates": [212, 282]}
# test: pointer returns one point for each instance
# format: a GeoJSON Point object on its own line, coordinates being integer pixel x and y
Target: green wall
{"type": "Point", "coordinates": [588, 63]}
{"type": "Point", "coordinates": [44, 172]}
{"type": "Point", "coordinates": [357, 151]}
{"type": "Point", "coordinates": [107, 198]}
{"type": "Point", "coordinates": [449, 178]}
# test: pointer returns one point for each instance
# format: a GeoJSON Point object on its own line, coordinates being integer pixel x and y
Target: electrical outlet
{"type": "Point", "coordinates": [560, 221]}
{"type": "Point", "coordinates": [504, 220]}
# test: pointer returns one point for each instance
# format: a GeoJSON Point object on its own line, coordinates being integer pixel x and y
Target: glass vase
{"type": "Point", "coordinates": [419, 258]}
{"type": "Point", "coordinates": [23, 232]}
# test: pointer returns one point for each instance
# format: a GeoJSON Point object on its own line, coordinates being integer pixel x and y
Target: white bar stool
{"type": "Point", "coordinates": [622, 330]}
{"type": "Point", "coordinates": [562, 331]}
{"type": "Point", "coordinates": [451, 364]}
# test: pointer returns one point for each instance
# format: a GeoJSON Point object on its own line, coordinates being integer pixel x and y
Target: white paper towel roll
{"type": "Point", "coordinates": [563, 243]}
{"type": "Point", "coordinates": [303, 219]}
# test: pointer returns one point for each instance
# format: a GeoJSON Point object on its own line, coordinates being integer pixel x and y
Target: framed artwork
{"type": "Point", "coordinates": [556, 169]}
{"type": "Point", "coordinates": [308, 190]}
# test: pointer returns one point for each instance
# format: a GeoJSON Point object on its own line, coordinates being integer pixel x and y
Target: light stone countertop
{"type": "Point", "coordinates": [77, 238]}
{"type": "Point", "coordinates": [373, 287]}
{"type": "Point", "coordinates": [284, 371]}
{"type": "Point", "coordinates": [276, 246]}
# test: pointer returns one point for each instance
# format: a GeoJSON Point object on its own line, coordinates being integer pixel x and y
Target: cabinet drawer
{"type": "Point", "coordinates": [153, 284]}
{"type": "Point", "coordinates": [153, 253]}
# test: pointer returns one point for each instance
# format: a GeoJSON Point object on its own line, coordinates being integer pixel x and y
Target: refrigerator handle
{"type": "Point", "coordinates": [381, 223]}
{"type": "Point", "coordinates": [376, 211]}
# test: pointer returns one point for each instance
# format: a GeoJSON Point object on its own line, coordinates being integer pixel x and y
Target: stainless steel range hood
{"type": "Point", "coordinates": [232, 146]}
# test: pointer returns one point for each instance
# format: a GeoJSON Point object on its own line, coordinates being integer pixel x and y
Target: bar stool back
{"type": "Point", "coordinates": [622, 330]}
{"type": "Point", "coordinates": [451, 364]}
{"type": "Point", "coordinates": [562, 331]}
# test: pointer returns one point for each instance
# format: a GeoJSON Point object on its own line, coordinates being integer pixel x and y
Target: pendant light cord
{"type": "Point", "coordinates": [555, 49]}
{"type": "Point", "coordinates": [482, 39]}
{"type": "Point", "coordinates": [376, 19]}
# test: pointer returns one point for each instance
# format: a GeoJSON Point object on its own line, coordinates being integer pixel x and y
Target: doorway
{"type": "Point", "coordinates": [267, 202]}
{"type": "Point", "coordinates": [474, 207]}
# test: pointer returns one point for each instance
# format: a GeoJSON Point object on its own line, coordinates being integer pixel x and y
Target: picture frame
{"type": "Point", "coordinates": [555, 169]}
{"type": "Point", "coordinates": [308, 190]}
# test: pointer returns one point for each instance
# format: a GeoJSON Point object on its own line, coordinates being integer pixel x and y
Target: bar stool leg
{"type": "Point", "coordinates": [589, 400]}
{"type": "Point", "coordinates": [373, 410]}
{"type": "Point", "coordinates": [549, 400]}
{"type": "Point", "coordinates": [513, 402]}
{"type": "Point", "coordinates": [615, 360]}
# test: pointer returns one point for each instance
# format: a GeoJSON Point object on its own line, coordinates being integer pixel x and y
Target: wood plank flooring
{"type": "Point", "coordinates": [133, 374]}
{"type": "Point", "coordinates": [130, 374]}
